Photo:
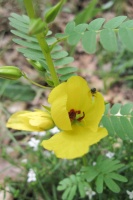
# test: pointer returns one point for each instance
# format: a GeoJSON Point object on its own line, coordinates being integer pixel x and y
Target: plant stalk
{"type": "Point", "coordinates": [84, 159]}
{"type": "Point", "coordinates": [43, 44]}
{"type": "Point", "coordinates": [34, 83]}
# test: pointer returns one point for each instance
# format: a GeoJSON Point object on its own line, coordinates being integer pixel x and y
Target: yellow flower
{"type": "Point", "coordinates": [77, 112]}
{"type": "Point", "coordinates": [31, 121]}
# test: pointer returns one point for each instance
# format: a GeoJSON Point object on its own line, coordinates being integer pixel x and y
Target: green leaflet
{"type": "Point", "coordinates": [118, 120]}
{"type": "Point", "coordinates": [59, 55]}
{"type": "Point", "coordinates": [63, 61]}
{"type": "Point", "coordinates": [70, 27]}
{"type": "Point", "coordinates": [115, 108]}
{"type": "Point", "coordinates": [117, 177]}
{"type": "Point", "coordinates": [125, 35]}
{"type": "Point", "coordinates": [111, 184]}
{"type": "Point", "coordinates": [96, 24]}
{"type": "Point", "coordinates": [99, 183]}
{"type": "Point", "coordinates": [115, 22]}
{"type": "Point", "coordinates": [108, 39]}
{"type": "Point", "coordinates": [81, 189]}
{"type": "Point", "coordinates": [66, 76]}
{"type": "Point", "coordinates": [89, 41]}
{"type": "Point", "coordinates": [126, 109]}
{"type": "Point", "coordinates": [108, 125]}
{"type": "Point", "coordinates": [66, 70]}
{"type": "Point", "coordinates": [127, 24]}
{"type": "Point", "coordinates": [74, 38]}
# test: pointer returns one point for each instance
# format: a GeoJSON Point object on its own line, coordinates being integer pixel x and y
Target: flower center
{"type": "Point", "coordinates": [76, 115]}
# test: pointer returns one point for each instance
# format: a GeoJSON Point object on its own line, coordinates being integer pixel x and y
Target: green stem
{"type": "Point", "coordinates": [29, 8]}
{"type": "Point", "coordinates": [46, 52]}
{"type": "Point", "coordinates": [43, 44]}
{"type": "Point", "coordinates": [84, 159]}
{"type": "Point", "coordinates": [34, 83]}
{"type": "Point", "coordinates": [59, 40]}
{"type": "Point", "coordinates": [42, 189]}
{"type": "Point", "coordinates": [16, 142]}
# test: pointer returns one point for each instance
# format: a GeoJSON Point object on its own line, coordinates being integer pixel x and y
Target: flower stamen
{"type": "Point", "coordinates": [79, 119]}
{"type": "Point", "coordinates": [72, 114]}
{"type": "Point", "coordinates": [75, 115]}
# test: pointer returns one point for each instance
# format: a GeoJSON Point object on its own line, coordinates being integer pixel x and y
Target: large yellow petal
{"type": "Point", "coordinates": [30, 121]}
{"type": "Point", "coordinates": [75, 143]}
{"type": "Point", "coordinates": [78, 94]}
{"type": "Point", "coordinates": [60, 114]}
{"type": "Point", "coordinates": [57, 92]}
{"type": "Point", "coordinates": [95, 112]}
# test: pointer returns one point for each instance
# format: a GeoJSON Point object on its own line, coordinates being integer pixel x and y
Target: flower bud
{"type": "Point", "coordinates": [10, 72]}
{"type": "Point", "coordinates": [37, 120]}
{"type": "Point", "coordinates": [37, 65]}
{"type": "Point", "coordinates": [36, 26]}
{"type": "Point", "coordinates": [52, 12]}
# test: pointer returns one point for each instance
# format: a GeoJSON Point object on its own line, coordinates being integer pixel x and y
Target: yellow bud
{"type": "Point", "coordinates": [37, 120]}
{"type": "Point", "coordinates": [48, 121]}
{"type": "Point", "coordinates": [10, 72]}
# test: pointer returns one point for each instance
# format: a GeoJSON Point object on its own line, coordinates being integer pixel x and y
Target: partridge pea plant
{"type": "Point", "coordinates": [78, 111]}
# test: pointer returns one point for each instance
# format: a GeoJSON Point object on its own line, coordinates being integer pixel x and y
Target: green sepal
{"type": "Point", "coordinates": [47, 108]}
{"type": "Point", "coordinates": [37, 65]}
{"type": "Point", "coordinates": [36, 26]}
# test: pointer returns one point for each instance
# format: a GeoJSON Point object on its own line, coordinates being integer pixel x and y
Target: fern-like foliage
{"type": "Point", "coordinates": [71, 185]}
{"type": "Point", "coordinates": [118, 120]}
{"type": "Point", "coordinates": [31, 49]}
{"type": "Point", "coordinates": [104, 173]}
{"type": "Point", "coordinates": [110, 32]}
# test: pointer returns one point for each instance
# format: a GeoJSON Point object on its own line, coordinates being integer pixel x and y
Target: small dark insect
{"type": "Point", "coordinates": [93, 90]}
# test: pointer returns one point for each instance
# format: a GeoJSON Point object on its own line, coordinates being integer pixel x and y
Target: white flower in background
{"type": "Point", "coordinates": [34, 143]}
{"type": "Point", "coordinates": [110, 154]}
{"type": "Point", "coordinates": [31, 176]}
{"type": "Point", "coordinates": [90, 193]}
{"type": "Point", "coordinates": [47, 153]}
{"type": "Point", "coordinates": [94, 163]}
{"type": "Point", "coordinates": [24, 160]}
{"type": "Point", "coordinates": [130, 194]}
{"type": "Point", "coordinates": [41, 134]}
{"type": "Point", "coordinates": [9, 150]}
{"type": "Point", "coordinates": [54, 130]}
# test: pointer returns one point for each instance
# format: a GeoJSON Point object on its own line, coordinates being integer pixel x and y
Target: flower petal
{"type": "Point", "coordinates": [30, 121]}
{"type": "Point", "coordinates": [78, 94]}
{"type": "Point", "coordinates": [60, 114]}
{"type": "Point", "coordinates": [57, 92]}
{"type": "Point", "coordinates": [75, 143]}
{"type": "Point", "coordinates": [94, 114]}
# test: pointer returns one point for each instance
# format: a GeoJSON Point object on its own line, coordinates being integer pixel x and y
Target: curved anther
{"type": "Point", "coordinates": [79, 119]}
